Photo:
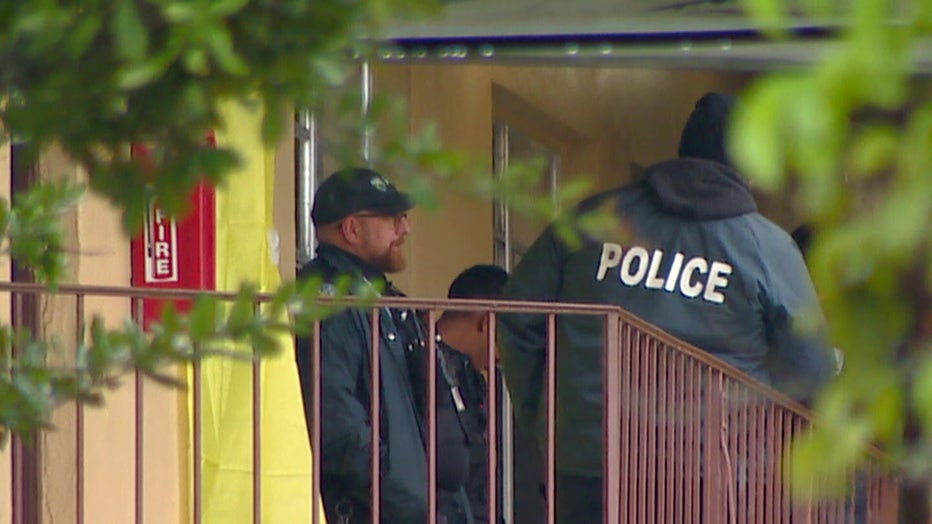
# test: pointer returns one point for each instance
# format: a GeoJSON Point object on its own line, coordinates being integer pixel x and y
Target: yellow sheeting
{"type": "Point", "coordinates": [244, 220]}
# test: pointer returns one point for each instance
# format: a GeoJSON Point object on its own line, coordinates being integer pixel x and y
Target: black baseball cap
{"type": "Point", "coordinates": [352, 190]}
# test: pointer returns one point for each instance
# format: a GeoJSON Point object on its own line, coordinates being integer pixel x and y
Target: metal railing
{"type": "Point", "coordinates": [688, 439]}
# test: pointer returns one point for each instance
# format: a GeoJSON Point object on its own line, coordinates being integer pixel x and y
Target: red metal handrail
{"type": "Point", "coordinates": [687, 438]}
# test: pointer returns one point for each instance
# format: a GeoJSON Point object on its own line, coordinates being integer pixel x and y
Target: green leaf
{"type": "Point", "coordinates": [129, 32]}
{"type": "Point", "coordinates": [873, 150]}
{"type": "Point", "coordinates": [756, 131]}
{"type": "Point", "coordinates": [221, 46]}
{"type": "Point", "coordinates": [772, 16]}
{"type": "Point", "coordinates": [203, 318]}
{"type": "Point", "coordinates": [922, 393]}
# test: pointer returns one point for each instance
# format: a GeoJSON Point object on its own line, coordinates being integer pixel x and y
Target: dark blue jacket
{"type": "Point", "coordinates": [345, 391]}
{"type": "Point", "coordinates": [694, 257]}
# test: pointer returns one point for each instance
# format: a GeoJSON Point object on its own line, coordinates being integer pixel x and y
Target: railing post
{"type": "Point", "coordinates": [79, 422]}
{"type": "Point", "coordinates": [256, 429]}
{"type": "Point", "coordinates": [198, 473]}
{"type": "Point", "coordinates": [551, 406]}
{"type": "Point", "coordinates": [492, 418]}
{"type": "Point", "coordinates": [375, 413]}
{"type": "Point", "coordinates": [136, 312]}
{"type": "Point", "coordinates": [315, 424]}
{"type": "Point", "coordinates": [611, 487]}
{"type": "Point", "coordinates": [431, 417]}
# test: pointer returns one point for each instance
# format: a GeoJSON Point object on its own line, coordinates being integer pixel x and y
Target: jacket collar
{"type": "Point", "coordinates": [347, 263]}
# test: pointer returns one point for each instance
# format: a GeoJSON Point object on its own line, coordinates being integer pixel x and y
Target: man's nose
{"type": "Point", "coordinates": [403, 226]}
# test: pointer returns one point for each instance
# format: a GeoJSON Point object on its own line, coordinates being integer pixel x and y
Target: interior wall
{"type": "Point", "coordinates": [606, 123]}
{"type": "Point", "coordinates": [638, 113]}
{"type": "Point", "coordinates": [458, 234]}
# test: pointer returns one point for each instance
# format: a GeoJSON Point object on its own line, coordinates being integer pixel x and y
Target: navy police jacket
{"type": "Point", "coordinates": [345, 391]}
{"type": "Point", "coordinates": [694, 257]}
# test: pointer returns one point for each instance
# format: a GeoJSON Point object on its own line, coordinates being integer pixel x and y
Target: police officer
{"type": "Point", "coordinates": [696, 260]}
{"type": "Point", "coordinates": [464, 346]}
{"type": "Point", "coordinates": [361, 223]}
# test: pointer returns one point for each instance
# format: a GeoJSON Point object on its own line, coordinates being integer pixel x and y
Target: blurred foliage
{"type": "Point", "coordinates": [94, 76]}
{"type": "Point", "coordinates": [31, 387]}
{"type": "Point", "coordinates": [852, 139]}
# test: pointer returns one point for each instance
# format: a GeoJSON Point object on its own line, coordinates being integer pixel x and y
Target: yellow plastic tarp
{"type": "Point", "coordinates": [244, 223]}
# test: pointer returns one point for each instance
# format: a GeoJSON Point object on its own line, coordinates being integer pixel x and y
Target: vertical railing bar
{"type": "Point", "coordinates": [551, 416]}
{"type": "Point", "coordinates": [689, 438]}
{"type": "Point", "coordinates": [640, 420]}
{"type": "Point", "coordinates": [315, 423]}
{"type": "Point", "coordinates": [16, 443]}
{"type": "Point", "coordinates": [625, 352]}
{"type": "Point", "coordinates": [757, 444]}
{"type": "Point", "coordinates": [79, 422]}
{"type": "Point", "coordinates": [256, 428]}
{"type": "Point", "coordinates": [743, 463]}
{"type": "Point", "coordinates": [670, 422]}
{"type": "Point", "coordinates": [136, 311]}
{"type": "Point", "coordinates": [775, 486]}
{"type": "Point", "coordinates": [729, 458]}
{"type": "Point", "coordinates": [652, 385]}
{"type": "Point", "coordinates": [785, 496]}
{"type": "Point", "coordinates": [766, 424]}
{"type": "Point", "coordinates": [492, 420]}
{"type": "Point", "coordinates": [375, 414]}
{"type": "Point", "coordinates": [431, 417]}
{"type": "Point", "coordinates": [628, 461]}
{"type": "Point", "coordinates": [634, 404]}
{"type": "Point", "coordinates": [663, 437]}
{"type": "Point", "coordinates": [710, 472]}
{"type": "Point", "coordinates": [611, 415]}
{"type": "Point", "coordinates": [699, 455]}
{"type": "Point", "coordinates": [678, 448]}
{"type": "Point", "coordinates": [740, 465]}
{"type": "Point", "coordinates": [781, 492]}
{"type": "Point", "coordinates": [196, 447]}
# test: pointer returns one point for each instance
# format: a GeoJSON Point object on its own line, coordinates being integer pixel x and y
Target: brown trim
{"type": "Point", "coordinates": [26, 456]}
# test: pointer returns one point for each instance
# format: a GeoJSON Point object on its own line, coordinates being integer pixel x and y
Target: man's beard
{"type": "Point", "coordinates": [392, 260]}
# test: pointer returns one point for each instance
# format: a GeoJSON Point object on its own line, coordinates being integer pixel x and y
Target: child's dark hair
{"type": "Point", "coordinates": [479, 281]}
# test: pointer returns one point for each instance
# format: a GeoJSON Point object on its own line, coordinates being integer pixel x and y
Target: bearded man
{"type": "Point", "coordinates": [361, 222]}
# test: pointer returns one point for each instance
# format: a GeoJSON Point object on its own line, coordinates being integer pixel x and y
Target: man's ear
{"type": "Point", "coordinates": [350, 229]}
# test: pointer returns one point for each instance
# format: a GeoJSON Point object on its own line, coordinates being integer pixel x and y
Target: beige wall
{"type": "Point", "coordinates": [459, 233]}
{"type": "Point", "coordinates": [99, 255]}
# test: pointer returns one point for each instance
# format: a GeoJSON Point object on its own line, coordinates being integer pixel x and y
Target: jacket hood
{"type": "Point", "coordinates": [699, 189]}
{"type": "Point", "coordinates": [706, 129]}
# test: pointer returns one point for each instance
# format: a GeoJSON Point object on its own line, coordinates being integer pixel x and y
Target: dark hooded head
{"type": "Point", "coordinates": [704, 134]}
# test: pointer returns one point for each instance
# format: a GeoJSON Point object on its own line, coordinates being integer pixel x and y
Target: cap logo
{"type": "Point", "coordinates": [379, 183]}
